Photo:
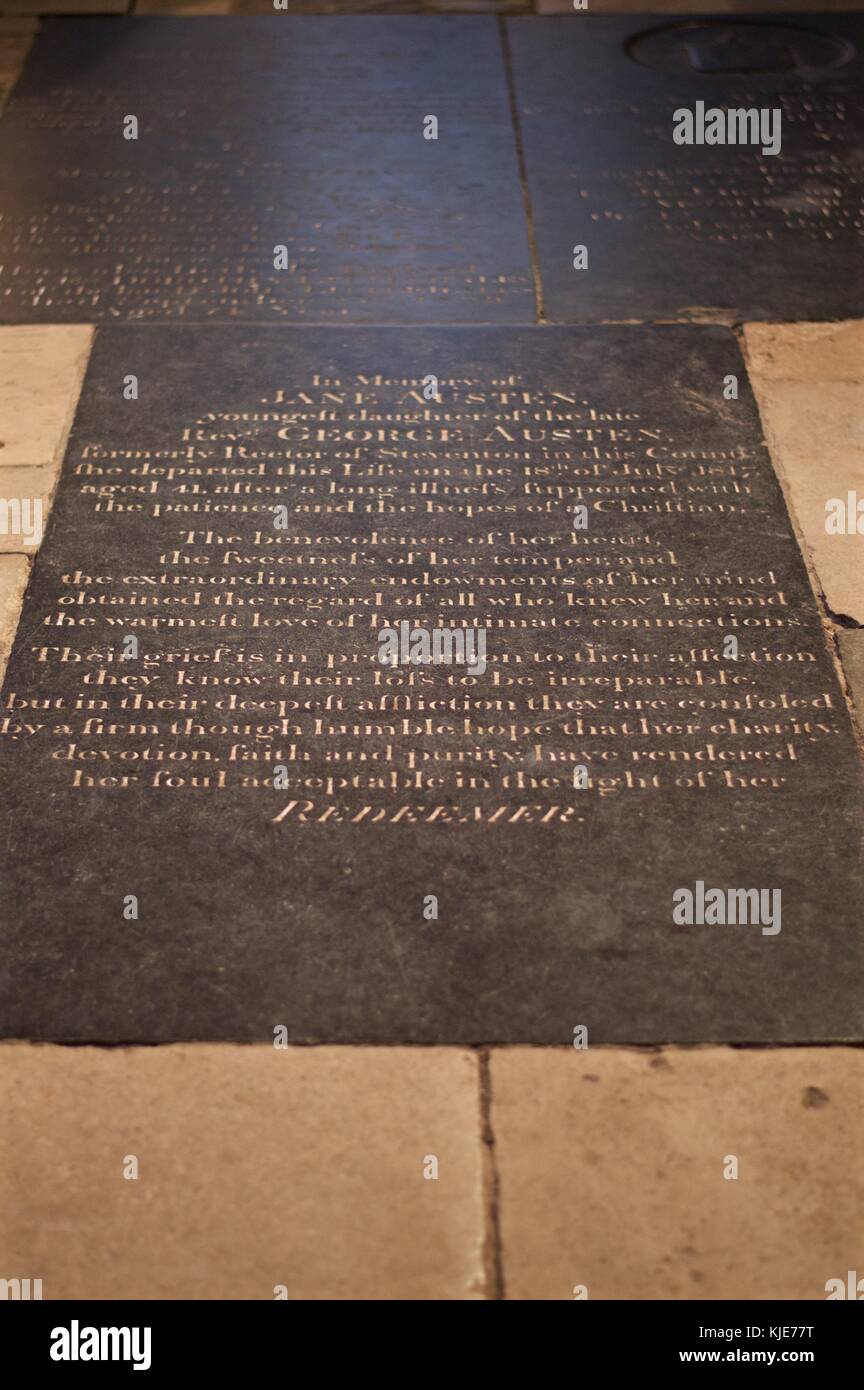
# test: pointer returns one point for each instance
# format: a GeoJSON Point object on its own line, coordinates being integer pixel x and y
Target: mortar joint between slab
{"type": "Point", "coordinates": [523, 170]}
{"type": "Point", "coordinates": [830, 621]}
{"type": "Point", "coordinates": [493, 1254]}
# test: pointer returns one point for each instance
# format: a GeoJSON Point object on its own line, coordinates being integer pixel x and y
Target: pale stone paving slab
{"type": "Point", "coordinates": [41, 371]}
{"type": "Point", "coordinates": [808, 379]}
{"type": "Point", "coordinates": [257, 1167]}
{"type": "Point", "coordinates": [611, 1169]}
{"type": "Point", "coordinates": [14, 571]}
{"type": "Point", "coordinates": [26, 495]}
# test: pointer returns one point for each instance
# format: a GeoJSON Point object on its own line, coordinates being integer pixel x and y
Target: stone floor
{"type": "Point", "coordinates": [556, 1171]}
{"type": "Point", "coordinates": [557, 1168]}
{"type": "Point", "coordinates": [189, 7]}
{"type": "Point", "coordinates": [504, 7]}
{"type": "Point", "coordinates": [441, 1172]}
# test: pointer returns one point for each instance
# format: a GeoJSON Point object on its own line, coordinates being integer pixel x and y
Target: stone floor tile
{"type": "Point", "coordinates": [25, 502]}
{"type": "Point", "coordinates": [781, 352]}
{"type": "Point", "coordinates": [809, 382]}
{"type": "Point", "coordinates": [657, 229]}
{"type": "Point", "coordinates": [611, 1171]}
{"type": "Point", "coordinates": [41, 371]}
{"type": "Point", "coordinates": [351, 202]}
{"type": "Point", "coordinates": [14, 571]}
{"type": "Point", "coordinates": [213, 846]}
{"type": "Point", "coordinates": [257, 1167]}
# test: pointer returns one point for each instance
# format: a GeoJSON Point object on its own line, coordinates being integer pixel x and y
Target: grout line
{"type": "Point", "coordinates": [523, 170]}
{"type": "Point", "coordinates": [417, 325]}
{"type": "Point", "coordinates": [493, 1255]}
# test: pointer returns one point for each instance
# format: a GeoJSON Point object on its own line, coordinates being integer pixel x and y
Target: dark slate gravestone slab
{"type": "Point", "coordinates": [691, 231]}
{"type": "Point", "coordinates": [152, 777]}
{"type": "Point", "coordinates": [259, 133]}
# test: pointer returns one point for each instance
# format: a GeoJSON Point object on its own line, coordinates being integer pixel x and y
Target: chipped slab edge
{"type": "Point", "coordinates": [791, 352]}
{"type": "Point", "coordinates": [852, 656]}
{"type": "Point", "coordinates": [779, 357]}
{"type": "Point", "coordinates": [819, 466]}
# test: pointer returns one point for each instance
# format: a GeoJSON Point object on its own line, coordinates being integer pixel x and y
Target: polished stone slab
{"type": "Point", "coordinates": [295, 183]}
{"type": "Point", "coordinates": [693, 231]}
{"type": "Point", "coordinates": [448, 856]}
